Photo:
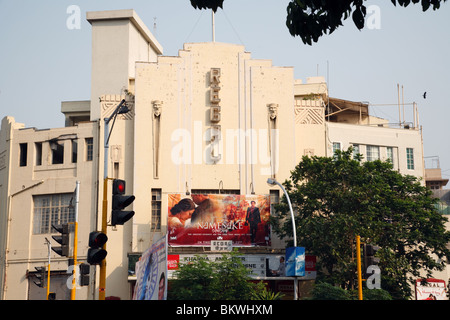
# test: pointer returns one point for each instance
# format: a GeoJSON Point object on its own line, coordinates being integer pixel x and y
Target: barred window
{"type": "Point", "coordinates": [336, 147]}
{"type": "Point", "coordinates": [89, 149]}
{"type": "Point", "coordinates": [373, 153]}
{"type": "Point", "coordinates": [410, 158]}
{"type": "Point", "coordinates": [156, 209]}
{"type": "Point", "coordinates": [52, 209]}
{"type": "Point", "coordinates": [390, 154]}
{"type": "Point", "coordinates": [355, 150]}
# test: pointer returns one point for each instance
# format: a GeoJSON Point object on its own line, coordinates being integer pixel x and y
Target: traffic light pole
{"type": "Point", "coordinates": [102, 284]}
{"type": "Point", "coordinates": [358, 266]}
{"type": "Point", "coordinates": [49, 245]}
{"type": "Point", "coordinates": [75, 242]}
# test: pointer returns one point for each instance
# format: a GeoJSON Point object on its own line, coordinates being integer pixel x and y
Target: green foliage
{"type": "Point", "coordinates": [194, 281]}
{"type": "Point", "coordinates": [226, 279]}
{"type": "Point", "coordinates": [341, 197]}
{"type": "Point", "coordinates": [326, 291]}
{"type": "Point", "coordinates": [265, 294]}
{"type": "Point", "coordinates": [376, 294]}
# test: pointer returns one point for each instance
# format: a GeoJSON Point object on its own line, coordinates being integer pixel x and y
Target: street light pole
{"type": "Point", "coordinates": [120, 109]}
{"type": "Point", "coordinates": [294, 230]}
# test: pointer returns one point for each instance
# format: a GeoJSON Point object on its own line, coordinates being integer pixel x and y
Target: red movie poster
{"type": "Point", "coordinates": [198, 219]}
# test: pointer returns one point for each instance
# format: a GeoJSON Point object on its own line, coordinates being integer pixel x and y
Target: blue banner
{"type": "Point", "coordinates": [295, 262]}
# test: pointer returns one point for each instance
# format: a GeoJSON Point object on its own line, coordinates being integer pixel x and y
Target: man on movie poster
{"type": "Point", "coordinates": [253, 218]}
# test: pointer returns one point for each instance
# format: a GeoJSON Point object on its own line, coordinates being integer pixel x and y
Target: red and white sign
{"type": "Point", "coordinates": [431, 289]}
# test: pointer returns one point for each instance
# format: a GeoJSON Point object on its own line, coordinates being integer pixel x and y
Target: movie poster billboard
{"type": "Point", "coordinates": [198, 219]}
{"type": "Point", "coordinates": [151, 273]}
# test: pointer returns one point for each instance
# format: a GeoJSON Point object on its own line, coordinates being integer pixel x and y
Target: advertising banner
{"type": "Point", "coordinates": [295, 262]}
{"type": "Point", "coordinates": [430, 289]}
{"type": "Point", "coordinates": [257, 264]}
{"type": "Point", "coordinates": [267, 266]}
{"type": "Point", "coordinates": [198, 219]}
{"type": "Point", "coordinates": [151, 273]}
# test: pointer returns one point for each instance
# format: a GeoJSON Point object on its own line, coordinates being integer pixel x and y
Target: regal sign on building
{"type": "Point", "coordinates": [198, 219]}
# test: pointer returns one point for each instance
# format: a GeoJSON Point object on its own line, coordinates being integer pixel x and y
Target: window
{"type": "Point", "coordinates": [355, 150]}
{"type": "Point", "coordinates": [52, 209]}
{"type": "Point", "coordinates": [89, 149]}
{"type": "Point", "coordinates": [274, 199]}
{"type": "Point", "coordinates": [38, 148]}
{"type": "Point", "coordinates": [74, 151]}
{"type": "Point", "coordinates": [57, 152]}
{"type": "Point", "coordinates": [336, 146]}
{"type": "Point", "coordinates": [23, 154]}
{"type": "Point", "coordinates": [156, 209]}
{"type": "Point", "coordinates": [116, 170]}
{"type": "Point", "coordinates": [410, 158]}
{"type": "Point", "coordinates": [373, 153]}
{"type": "Point", "coordinates": [390, 154]}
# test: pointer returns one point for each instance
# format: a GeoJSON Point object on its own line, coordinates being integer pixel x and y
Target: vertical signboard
{"type": "Point", "coordinates": [199, 219]}
{"type": "Point", "coordinates": [151, 273]}
{"type": "Point", "coordinates": [295, 262]}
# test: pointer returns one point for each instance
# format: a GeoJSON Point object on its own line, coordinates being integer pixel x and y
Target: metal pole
{"type": "Point", "coordinates": [358, 265]}
{"type": "Point", "coordinates": [49, 246]}
{"type": "Point", "coordinates": [213, 27]}
{"type": "Point", "coordinates": [102, 285]}
{"type": "Point", "coordinates": [294, 229]}
{"type": "Point", "coordinates": [75, 242]}
{"type": "Point", "coordinates": [118, 110]}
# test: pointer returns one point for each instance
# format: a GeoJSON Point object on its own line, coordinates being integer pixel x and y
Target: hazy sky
{"type": "Point", "coordinates": [44, 62]}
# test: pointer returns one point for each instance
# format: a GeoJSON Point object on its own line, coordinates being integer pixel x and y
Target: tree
{"type": "Point", "coordinates": [225, 279]}
{"type": "Point", "coordinates": [337, 198]}
{"type": "Point", "coordinates": [311, 19]}
{"type": "Point", "coordinates": [326, 291]}
{"type": "Point", "coordinates": [207, 4]}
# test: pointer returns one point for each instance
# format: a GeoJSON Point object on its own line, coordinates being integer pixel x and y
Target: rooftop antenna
{"type": "Point", "coordinates": [154, 26]}
{"type": "Point", "coordinates": [213, 27]}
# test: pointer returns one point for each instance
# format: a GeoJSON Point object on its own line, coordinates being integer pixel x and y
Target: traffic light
{"type": "Point", "coordinates": [84, 274]}
{"type": "Point", "coordinates": [62, 239]}
{"type": "Point", "coordinates": [369, 251]}
{"type": "Point", "coordinates": [119, 202]}
{"type": "Point", "coordinates": [40, 275]}
{"type": "Point", "coordinates": [96, 253]}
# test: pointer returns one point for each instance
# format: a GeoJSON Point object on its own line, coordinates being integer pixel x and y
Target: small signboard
{"type": "Point", "coordinates": [221, 245]}
{"type": "Point", "coordinates": [295, 262]}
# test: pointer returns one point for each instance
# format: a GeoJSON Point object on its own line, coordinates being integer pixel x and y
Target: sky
{"type": "Point", "coordinates": [45, 55]}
